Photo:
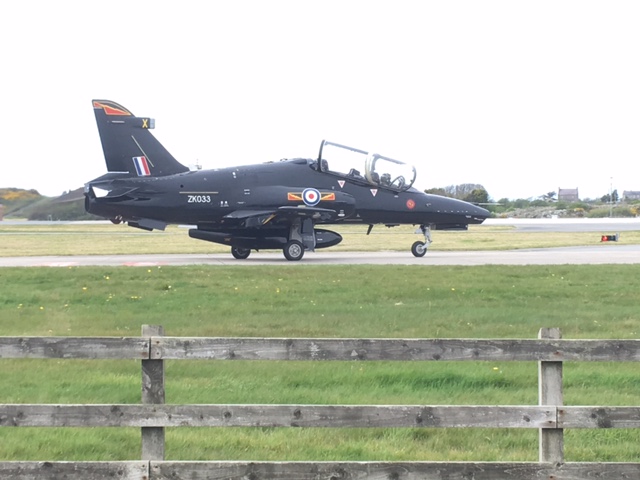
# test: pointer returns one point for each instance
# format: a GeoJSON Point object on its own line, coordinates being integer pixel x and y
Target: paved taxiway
{"type": "Point", "coordinates": [597, 254]}
{"type": "Point", "coordinates": [601, 225]}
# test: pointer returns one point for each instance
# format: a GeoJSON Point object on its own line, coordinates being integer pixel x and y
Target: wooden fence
{"type": "Point", "coordinates": [550, 417]}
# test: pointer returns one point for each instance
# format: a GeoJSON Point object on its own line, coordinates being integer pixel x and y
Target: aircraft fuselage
{"type": "Point", "coordinates": [267, 205]}
{"type": "Point", "coordinates": [208, 196]}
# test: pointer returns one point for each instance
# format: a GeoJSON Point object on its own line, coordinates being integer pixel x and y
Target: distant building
{"type": "Point", "coordinates": [631, 195]}
{"type": "Point", "coordinates": [568, 195]}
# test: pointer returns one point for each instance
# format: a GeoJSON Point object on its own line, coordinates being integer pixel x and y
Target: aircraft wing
{"type": "Point", "coordinates": [256, 218]}
{"type": "Point", "coordinates": [307, 212]}
{"type": "Point", "coordinates": [242, 214]}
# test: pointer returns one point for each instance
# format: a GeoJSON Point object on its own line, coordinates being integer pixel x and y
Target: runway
{"type": "Point", "coordinates": [601, 225]}
{"type": "Point", "coordinates": [597, 254]}
{"type": "Point", "coordinates": [603, 253]}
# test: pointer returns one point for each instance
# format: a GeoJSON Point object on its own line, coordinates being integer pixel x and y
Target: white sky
{"type": "Point", "coordinates": [522, 97]}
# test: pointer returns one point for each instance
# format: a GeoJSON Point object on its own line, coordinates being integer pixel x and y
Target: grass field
{"type": "Point", "coordinates": [319, 301]}
{"type": "Point", "coordinates": [99, 239]}
{"type": "Point", "coordinates": [313, 301]}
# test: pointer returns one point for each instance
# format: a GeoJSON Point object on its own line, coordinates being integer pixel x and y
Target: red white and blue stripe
{"type": "Point", "coordinates": [142, 166]}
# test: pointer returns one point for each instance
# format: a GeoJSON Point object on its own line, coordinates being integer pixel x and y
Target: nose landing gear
{"type": "Point", "coordinates": [420, 248]}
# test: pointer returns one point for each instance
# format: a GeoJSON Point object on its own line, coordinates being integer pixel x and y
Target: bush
{"type": "Point", "coordinates": [579, 205]}
{"type": "Point", "coordinates": [61, 211]}
{"type": "Point", "coordinates": [617, 212]}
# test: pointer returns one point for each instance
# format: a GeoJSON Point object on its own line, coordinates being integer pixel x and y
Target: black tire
{"type": "Point", "coordinates": [419, 249]}
{"type": "Point", "coordinates": [240, 253]}
{"type": "Point", "coordinates": [293, 250]}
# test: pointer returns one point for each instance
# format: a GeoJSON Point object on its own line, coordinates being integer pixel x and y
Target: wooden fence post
{"type": "Point", "coordinates": [551, 442]}
{"type": "Point", "coordinates": [152, 392]}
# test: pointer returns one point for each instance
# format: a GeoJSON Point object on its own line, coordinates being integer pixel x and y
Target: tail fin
{"type": "Point", "coordinates": [128, 144]}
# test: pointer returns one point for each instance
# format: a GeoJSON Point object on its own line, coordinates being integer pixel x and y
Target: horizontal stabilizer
{"type": "Point", "coordinates": [147, 224]}
{"type": "Point", "coordinates": [116, 193]}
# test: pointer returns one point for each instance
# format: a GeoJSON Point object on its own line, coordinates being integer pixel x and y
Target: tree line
{"type": "Point", "coordinates": [609, 204]}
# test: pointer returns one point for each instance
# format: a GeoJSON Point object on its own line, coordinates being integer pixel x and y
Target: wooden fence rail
{"type": "Point", "coordinates": [550, 417]}
{"type": "Point", "coordinates": [184, 348]}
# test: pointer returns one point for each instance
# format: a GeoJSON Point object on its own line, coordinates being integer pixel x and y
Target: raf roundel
{"type": "Point", "coordinates": [310, 196]}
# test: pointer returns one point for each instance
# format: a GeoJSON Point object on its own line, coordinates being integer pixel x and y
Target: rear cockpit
{"type": "Point", "coordinates": [364, 167]}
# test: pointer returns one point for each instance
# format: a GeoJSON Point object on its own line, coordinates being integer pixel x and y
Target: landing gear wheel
{"type": "Point", "coordinates": [293, 250]}
{"type": "Point", "coordinates": [419, 249]}
{"type": "Point", "coordinates": [240, 253]}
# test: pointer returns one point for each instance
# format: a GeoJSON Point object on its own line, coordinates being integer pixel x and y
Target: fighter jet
{"type": "Point", "coordinates": [273, 205]}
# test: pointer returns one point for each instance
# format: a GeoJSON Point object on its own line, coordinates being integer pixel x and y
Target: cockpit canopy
{"type": "Point", "coordinates": [369, 168]}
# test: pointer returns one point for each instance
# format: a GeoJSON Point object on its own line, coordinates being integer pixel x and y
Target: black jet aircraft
{"type": "Point", "coordinates": [274, 205]}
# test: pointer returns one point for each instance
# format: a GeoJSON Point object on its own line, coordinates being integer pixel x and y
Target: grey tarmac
{"type": "Point", "coordinates": [608, 253]}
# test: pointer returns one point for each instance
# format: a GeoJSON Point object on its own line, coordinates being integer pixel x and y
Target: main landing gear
{"type": "Point", "coordinates": [240, 253]}
{"type": "Point", "coordinates": [293, 251]}
{"type": "Point", "coordinates": [301, 237]}
{"type": "Point", "coordinates": [420, 248]}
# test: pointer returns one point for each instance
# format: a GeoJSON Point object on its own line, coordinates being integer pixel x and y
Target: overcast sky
{"type": "Point", "coordinates": [521, 97]}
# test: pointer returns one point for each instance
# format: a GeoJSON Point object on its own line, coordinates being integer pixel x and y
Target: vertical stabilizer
{"type": "Point", "coordinates": [128, 144]}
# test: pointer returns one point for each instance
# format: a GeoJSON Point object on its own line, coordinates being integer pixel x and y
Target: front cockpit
{"type": "Point", "coordinates": [364, 167]}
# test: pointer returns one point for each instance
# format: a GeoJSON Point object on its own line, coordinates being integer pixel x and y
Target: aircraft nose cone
{"type": "Point", "coordinates": [479, 214]}
{"type": "Point", "coordinates": [482, 213]}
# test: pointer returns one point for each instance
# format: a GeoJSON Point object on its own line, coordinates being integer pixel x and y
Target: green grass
{"type": "Point", "coordinates": [319, 301]}
{"type": "Point", "coordinates": [102, 239]}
